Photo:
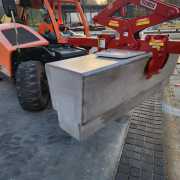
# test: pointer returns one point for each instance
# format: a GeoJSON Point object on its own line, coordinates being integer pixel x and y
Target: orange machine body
{"type": "Point", "coordinates": [7, 48]}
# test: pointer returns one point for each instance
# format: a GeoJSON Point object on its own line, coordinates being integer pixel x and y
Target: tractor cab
{"type": "Point", "coordinates": [47, 19]}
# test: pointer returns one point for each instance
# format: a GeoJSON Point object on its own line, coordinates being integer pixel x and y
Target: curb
{"type": "Point", "coordinates": [171, 133]}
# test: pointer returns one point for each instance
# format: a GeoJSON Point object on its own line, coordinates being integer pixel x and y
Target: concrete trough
{"type": "Point", "coordinates": [88, 91]}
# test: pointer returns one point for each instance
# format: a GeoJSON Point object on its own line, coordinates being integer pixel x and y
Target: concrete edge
{"type": "Point", "coordinates": [120, 151]}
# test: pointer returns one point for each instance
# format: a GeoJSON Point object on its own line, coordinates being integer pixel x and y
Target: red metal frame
{"type": "Point", "coordinates": [128, 29]}
{"type": "Point", "coordinates": [160, 12]}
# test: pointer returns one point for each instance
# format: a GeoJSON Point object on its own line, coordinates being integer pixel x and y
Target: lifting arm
{"type": "Point", "coordinates": [161, 12]}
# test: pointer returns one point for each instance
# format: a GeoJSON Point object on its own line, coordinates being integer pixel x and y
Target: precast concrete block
{"type": "Point", "coordinates": [91, 90]}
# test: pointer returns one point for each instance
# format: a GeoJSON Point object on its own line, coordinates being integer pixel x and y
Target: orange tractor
{"type": "Point", "coordinates": [24, 50]}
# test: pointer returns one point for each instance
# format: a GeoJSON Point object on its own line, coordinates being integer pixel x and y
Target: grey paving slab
{"type": "Point", "coordinates": [33, 147]}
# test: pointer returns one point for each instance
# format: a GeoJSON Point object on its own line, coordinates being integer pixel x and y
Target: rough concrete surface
{"type": "Point", "coordinates": [32, 146]}
{"type": "Point", "coordinates": [172, 126]}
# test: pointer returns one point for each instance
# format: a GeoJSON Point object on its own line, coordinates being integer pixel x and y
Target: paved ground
{"type": "Point", "coordinates": [143, 155]}
{"type": "Point", "coordinates": [171, 108]}
{"type": "Point", "coordinates": [20, 140]}
{"type": "Point", "coordinates": [33, 147]}
{"type": "Point", "coordinates": [30, 149]}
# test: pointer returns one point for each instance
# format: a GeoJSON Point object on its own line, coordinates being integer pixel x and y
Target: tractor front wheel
{"type": "Point", "coordinates": [32, 86]}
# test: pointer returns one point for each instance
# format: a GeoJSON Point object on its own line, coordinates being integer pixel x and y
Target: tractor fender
{"type": "Point", "coordinates": [27, 38]}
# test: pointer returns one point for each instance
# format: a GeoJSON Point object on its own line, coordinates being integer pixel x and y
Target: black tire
{"type": "Point", "coordinates": [32, 86]}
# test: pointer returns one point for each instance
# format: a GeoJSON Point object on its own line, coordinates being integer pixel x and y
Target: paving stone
{"type": "Point", "coordinates": [150, 152]}
{"type": "Point", "coordinates": [159, 170]}
{"type": "Point", "coordinates": [158, 177]}
{"type": "Point", "coordinates": [125, 160]}
{"type": "Point", "coordinates": [152, 140]}
{"type": "Point", "coordinates": [152, 135]}
{"type": "Point", "coordinates": [158, 147]}
{"type": "Point", "coordinates": [132, 147]}
{"type": "Point", "coordinates": [133, 178]}
{"type": "Point", "coordinates": [135, 136]}
{"type": "Point", "coordinates": [146, 175]}
{"type": "Point", "coordinates": [135, 131]}
{"type": "Point", "coordinates": [135, 163]}
{"type": "Point", "coordinates": [158, 155]}
{"type": "Point", "coordinates": [133, 155]}
{"type": "Point", "coordinates": [147, 158]}
{"type": "Point", "coordinates": [122, 176]}
{"type": "Point", "coordinates": [124, 168]}
{"type": "Point", "coordinates": [135, 172]}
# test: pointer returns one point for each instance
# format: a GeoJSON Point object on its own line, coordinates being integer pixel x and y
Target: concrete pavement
{"type": "Point", "coordinates": [33, 147]}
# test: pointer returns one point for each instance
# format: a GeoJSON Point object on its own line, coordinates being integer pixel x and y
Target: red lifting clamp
{"type": "Point", "coordinates": [129, 30]}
